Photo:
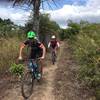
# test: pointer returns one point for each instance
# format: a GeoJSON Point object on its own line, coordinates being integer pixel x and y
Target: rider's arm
{"type": "Point", "coordinates": [20, 50]}
{"type": "Point", "coordinates": [58, 44]}
{"type": "Point", "coordinates": [49, 45]}
{"type": "Point", "coordinates": [44, 50]}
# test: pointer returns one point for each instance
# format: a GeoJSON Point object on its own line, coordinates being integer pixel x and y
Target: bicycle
{"type": "Point", "coordinates": [30, 76]}
{"type": "Point", "coordinates": [53, 57]}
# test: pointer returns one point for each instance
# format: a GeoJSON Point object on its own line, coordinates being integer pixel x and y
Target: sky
{"type": "Point", "coordinates": [76, 10]}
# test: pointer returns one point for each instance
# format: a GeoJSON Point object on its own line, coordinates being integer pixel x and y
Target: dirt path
{"type": "Point", "coordinates": [67, 86]}
{"type": "Point", "coordinates": [41, 91]}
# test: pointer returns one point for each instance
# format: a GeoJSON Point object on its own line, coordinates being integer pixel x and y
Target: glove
{"type": "Point", "coordinates": [42, 57]}
{"type": "Point", "coordinates": [20, 58]}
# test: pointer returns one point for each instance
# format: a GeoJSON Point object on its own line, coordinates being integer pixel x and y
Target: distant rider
{"type": "Point", "coordinates": [53, 44]}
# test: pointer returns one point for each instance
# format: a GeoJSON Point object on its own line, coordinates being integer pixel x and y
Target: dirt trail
{"type": "Point", "coordinates": [67, 86]}
{"type": "Point", "coordinates": [41, 91]}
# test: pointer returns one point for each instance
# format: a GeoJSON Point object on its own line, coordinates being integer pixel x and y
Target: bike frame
{"type": "Point", "coordinates": [32, 67]}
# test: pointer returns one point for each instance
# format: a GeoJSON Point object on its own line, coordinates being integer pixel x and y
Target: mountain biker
{"type": "Point", "coordinates": [53, 44]}
{"type": "Point", "coordinates": [36, 49]}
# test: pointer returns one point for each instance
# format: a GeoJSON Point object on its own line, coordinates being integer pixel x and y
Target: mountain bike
{"type": "Point", "coordinates": [30, 75]}
{"type": "Point", "coordinates": [53, 55]}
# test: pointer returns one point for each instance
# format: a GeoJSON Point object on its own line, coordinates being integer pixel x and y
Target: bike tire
{"type": "Point", "coordinates": [53, 58]}
{"type": "Point", "coordinates": [27, 84]}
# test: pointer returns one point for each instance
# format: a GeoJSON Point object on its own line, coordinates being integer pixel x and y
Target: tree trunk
{"type": "Point", "coordinates": [36, 16]}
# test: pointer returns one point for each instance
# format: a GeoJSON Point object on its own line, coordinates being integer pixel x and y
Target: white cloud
{"type": "Point", "coordinates": [20, 18]}
{"type": "Point", "coordinates": [17, 16]}
{"type": "Point", "coordinates": [90, 12]}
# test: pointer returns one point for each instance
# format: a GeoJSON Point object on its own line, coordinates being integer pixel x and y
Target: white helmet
{"type": "Point", "coordinates": [53, 37]}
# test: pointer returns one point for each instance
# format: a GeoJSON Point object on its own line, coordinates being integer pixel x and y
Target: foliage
{"type": "Point", "coordinates": [47, 28]}
{"type": "Point", "coordinates": [86, 48]}
{"type": "Point", "coordinates": [17, 69]}
{"type": "Point", "coordinates": [72, 30]}
{"type": "Point", "coordinates": [9, 29]}
{"type": "Point", "coordinates": [46, 25]}
{"type": "Point", "coordinates": [63, 34]}
{"type": "Point", "coordinates": [97, 93]}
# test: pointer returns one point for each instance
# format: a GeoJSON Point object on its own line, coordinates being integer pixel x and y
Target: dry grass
{"type": "Point", "coordinates": [8, 52]}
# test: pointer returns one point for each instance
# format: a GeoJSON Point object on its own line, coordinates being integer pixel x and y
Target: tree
{"type": "Point", "coordinates": [47, 28]}
{"type": "Point", "coordinates": [8, 28]}
{"type": "Point", "coordinates": [1, 21]}
{"type": "Point", "coordinates": [36, 7]}
{"type": "Point", "coordinates": [74, 28]}
{"type": "Point", "coordinates": [8, 21]}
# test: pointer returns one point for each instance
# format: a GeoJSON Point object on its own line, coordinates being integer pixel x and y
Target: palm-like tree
{"type": "Point", "coordinates": [36, 7]}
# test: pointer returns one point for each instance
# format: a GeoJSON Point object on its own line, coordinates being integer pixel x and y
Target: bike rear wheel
{"type": "Point", "coordinates": [53, 58]}
{"type": "Point", "coordinates": [27, 84]}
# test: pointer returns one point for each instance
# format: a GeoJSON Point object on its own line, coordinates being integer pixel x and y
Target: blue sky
{"type": "Point", "coordinates": [75, 10]}
{"type": "Point", "coordinates": [61, 3]}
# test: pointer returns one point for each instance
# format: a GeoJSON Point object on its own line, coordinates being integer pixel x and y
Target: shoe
{"type": "Point", "coordinates": [39, 76]}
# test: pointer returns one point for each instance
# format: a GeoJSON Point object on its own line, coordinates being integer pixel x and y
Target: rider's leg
{"type": "Point", "coordinates": [40, 69]}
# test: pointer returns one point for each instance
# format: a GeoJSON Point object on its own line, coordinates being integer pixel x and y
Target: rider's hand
{"type": "Point", "coordinates": [42, 57]}
{"type": "Point", "coordinates": [20, 58]}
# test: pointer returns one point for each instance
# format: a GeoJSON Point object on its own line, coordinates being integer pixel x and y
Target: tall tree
{"type": "Point", "coordinates": [36, 7]}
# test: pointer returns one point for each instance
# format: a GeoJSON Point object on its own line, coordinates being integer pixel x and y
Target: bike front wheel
{"type": "Point", "coordinates": [27, 84]}
{"type": "Point", "coordinates": [53, 58]}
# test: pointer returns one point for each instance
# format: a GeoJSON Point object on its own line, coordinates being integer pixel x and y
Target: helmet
{"type": "Point", "coordinates": [53, 37]}
{"type": "Point", "coordinates": [31, 34]}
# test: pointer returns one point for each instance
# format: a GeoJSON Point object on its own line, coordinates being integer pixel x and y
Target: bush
{"type": "Point", "coordinates": [98, 93]}
{"type": "Point", "coordinates": [17, 69]}
{"type": "Point", "coordinates": [86, 49]}
{"type": "Point", "coordinates": [72, 30]}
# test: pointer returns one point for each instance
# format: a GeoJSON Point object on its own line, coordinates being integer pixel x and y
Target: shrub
{"type": "Point", "coordinates": [17, 69]}
{"type": "Point", "coordinates": [86, 50]}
